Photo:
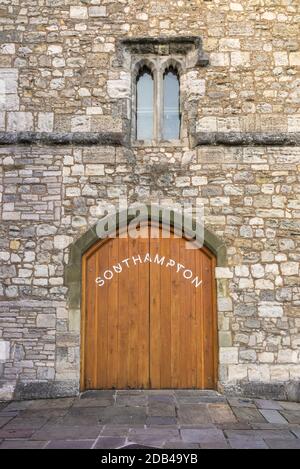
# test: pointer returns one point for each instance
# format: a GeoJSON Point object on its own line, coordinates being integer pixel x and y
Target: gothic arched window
{"type": "Point", "coordinates": [144, 104]}
{"type": "Point", "coordinates": [171, 105]}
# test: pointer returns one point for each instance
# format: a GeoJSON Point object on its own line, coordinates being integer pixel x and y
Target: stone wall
{"type": "Point", "coordinates": [60, 71]}
{"type": "Point", "coordinates": [251, 198]}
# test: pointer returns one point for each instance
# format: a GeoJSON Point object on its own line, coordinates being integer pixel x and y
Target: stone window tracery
{"type": "Point", "coordinates": [157, 103]}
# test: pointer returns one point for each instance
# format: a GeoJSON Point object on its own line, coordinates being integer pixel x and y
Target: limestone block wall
{"type": "Point", "coordinates": [63, 71]}
{"type": "Point", "coordinates": [51, 197]}
{"type": "Point", "coordinates": [59, 69]}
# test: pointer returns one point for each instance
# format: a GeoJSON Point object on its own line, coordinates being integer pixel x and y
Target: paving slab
{"type": "Point", "coordinates": [152, 398]}
{"type": "Point", "coordinates": [162, 409]}
{"type": "Point", "coordinates": [223, 444]}
{"type": "Point", "coordinates": [165, 392]}
{"type": "Point", "coordinates": [123, 415]}
{"type": "Point", "coordinates": [239, 402]}
{"type": "Point", "coordinates": [196, 392]}
{"type": "Point", "coordinates": [4, 420]}
{"type": "Point", "coordinates": [117, 430]}
{"type": "Point", "coordinates": [11, 414]}
{"type": "Point", "coordinates": [22, 444]}
{"type": "Point", "coordinates": [207, 435]}
{"type": "Point", "coordinates": [63, 432]}
{"type": "Point", "coordinates": [50, 415]}
{"type": "Point", "coordinates": [200, 400]}
{"type": "Point", "coordinates": [136, 446]}
{"type": "Point", "coordinates": [273, 416]}
{"type": "Point", "coordinates": [109, 442]}
{"type": "Point", "coordinates": [180, 445]}
{"type": "Point", "coordinates": [260, 434]}
{"type": "Point", "coordinates": [70, 444]}
{"type": "Point", "coordinates": [95, 394]}
{"type": "Point", "coordinates": [193, 414]}
{"type": "Point", "coordinates": [130, 392]}
{"type": "Point", "coordinates": [267, 404]}
{"type": "Point", "coordinates": [17, 406]}
{"type": "Point", "coordinates": [6, 434]}
{"type": "Point", "coordinates": [234, 426]}
{"type": "Point", "coordinates": [134, 400]}
{"type": "Point", "coordinates": [44, 404]}
{"type": "Point", "coordinates": [30, 423]}
{"type": "Point", "coordinates": [290, 405]}
{"type": "Point", "coordinates": [79, 419]}
{"type": "Point", "coordinates": [154, 436]}
{"type": "Point", "coordinates": [221, 413]}
{"type": "Point", "coordinates": [156, 420]}
{"type": "Point", "coordinates": [244, 443]}
{"type": "Point", "coordinates": [249, 415]}
{"type": "Point", "coordinates": [292, 416]}
{"type": "Point", "coordinates": [270, 426]}
{"type": "Point", "coordinates": [295, 430]}
{"type": "Point", "coordinates": [283, 444]}
{"type": "Point", "coordinates": [93, 402]}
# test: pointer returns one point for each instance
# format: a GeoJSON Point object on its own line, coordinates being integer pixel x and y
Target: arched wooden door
{"type": "Point", "coordinates": [149, 315]}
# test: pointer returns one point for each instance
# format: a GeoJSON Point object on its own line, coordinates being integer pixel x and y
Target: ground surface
{"type": "Point", "coordinates": [160, 419]}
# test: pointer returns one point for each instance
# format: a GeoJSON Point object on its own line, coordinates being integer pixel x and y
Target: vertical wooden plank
{"type": "Point", "coordinates": [102, 312]}
{"type": "Point", "coordinates": [124, 305]}
{"type": "Point", "coordinates": [183, 321]}
{"type": "Point", "coordinates": [189, 262]}
{"type": "Point", "coordinates": [133, 310]}
{"type": "Point", "coordinates": [155, 319]}
{"type": "Point", "coordinates": [199, 324]}
{"type": "Point", "coordinates": [143, 353]}
{"type": "Point", "coordinates": [113, 318]}
{"type": "Point", "coordinates": [175, 316]}
{"type": "Point", "coordinates": [165, 315]}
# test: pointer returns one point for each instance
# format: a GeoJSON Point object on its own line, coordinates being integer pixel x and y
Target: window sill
{"type": "Point", "coordinates": [157, 144]}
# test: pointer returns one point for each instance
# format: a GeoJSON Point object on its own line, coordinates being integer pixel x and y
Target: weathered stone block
{"type": "Point", "coordinates": [229, 355]}
{"type": "Point", "coordinates": [95, 170]}
{"type": "Point", "coordinates": [281, 59]}
{"type": "Point", "coordinates": [46, 321]}
{"type": "Point", "coordinates": [290, 268]}
{"type": "Point", "coordinates": [4, 350]}
{"type": "Point", "coordinates": [240, 59]}
{"type": "Point", "coordinates": [225, 339]}
{"type": "Point", "coordinates": [19, 121]}
{"type": "Point", "coordinates": [224, 272]}
{"type": "Point", "coordinates": [270, 310]}
{"type": "Point", "coordinates": [295, 59]}
{"type": "Point", "coordinates": [78, 12]}
{"type": "Point", "coordinates": [287, 356]}
{"type": "Point", "coordinates": [97, 11]}
{"type": "Point", "coordinates": [219, 59]}
{"type": "Point", "coordinates": [45, 122]}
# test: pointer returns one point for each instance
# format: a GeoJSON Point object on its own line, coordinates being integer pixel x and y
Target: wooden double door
{"type": "Point", "coordinates": [148, 315]}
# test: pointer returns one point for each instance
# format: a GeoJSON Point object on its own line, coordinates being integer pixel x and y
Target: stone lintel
{"type": "Point", "coordinates": [121, 139]}
{"type": "Point", "coordinates": [247, 138]}
{"type": "Point", "coordinates": [166, 45]}
{"type": "Point", "coordinates": [57, 138]}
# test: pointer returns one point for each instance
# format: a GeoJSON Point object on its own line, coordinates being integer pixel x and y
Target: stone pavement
{"type": "Point", "coordinates": [158, 419]}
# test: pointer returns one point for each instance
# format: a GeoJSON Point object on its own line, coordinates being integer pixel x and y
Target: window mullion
{"type": "Point", "coordinates": [159, 105]}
